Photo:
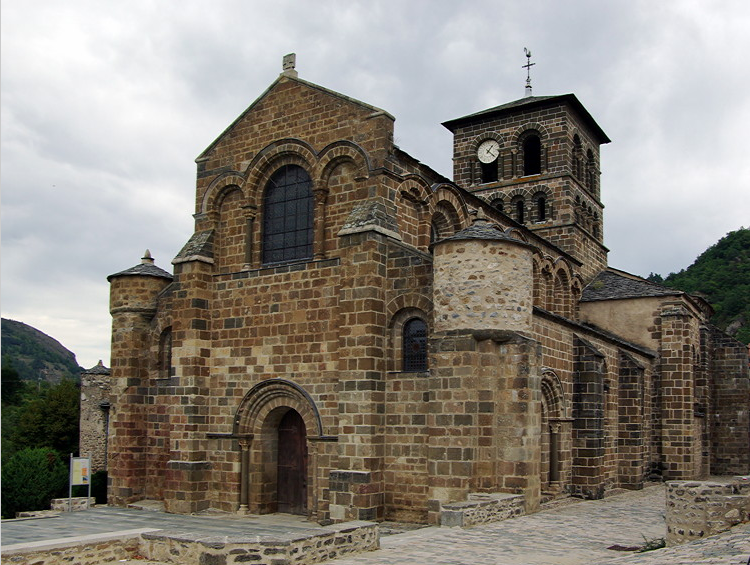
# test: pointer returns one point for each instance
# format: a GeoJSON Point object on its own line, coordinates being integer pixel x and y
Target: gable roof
{"type": "Point", "coordinates": [529, 103]}
{"type": "Point", "coordinates": [285, 78]}
{"type": "Point", "coordinates": [613, 285]}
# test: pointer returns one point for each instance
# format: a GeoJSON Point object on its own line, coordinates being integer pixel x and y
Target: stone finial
{"type": "Point", "coordinates": [288, 65]}
{"type": "Point", "coordinates": [478, 216]}
{"type": "Point", "coordinates": [147, 259]}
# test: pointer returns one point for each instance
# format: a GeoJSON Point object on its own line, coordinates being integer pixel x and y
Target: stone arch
{"type": "Point", "coordinates": [217, 189]}
{"type": "Point", "coordinates": [396, 325]}
{"type": "Point", "coordinates": [518, 209]}
{"type": "Point", "coordinates": [288, 151]}
{"type": "Point", "coordinates": [541, 205]}
{"type": "Point", "coordinates": [521, 137]}
{"type": "Point", "coordinates": [473, 144]}
{"type": "Point", "coordinates": [332, 159]}
{"type": "Point", "coordinates": [444, 222]}
{"type": "Point", "coordinates": [333, 154]}
{"type": "Point", "coordinates": [555, 435]}
{"type": "Point", "coordinates": [450, 194]}
{"type": "Point", "coordinates": [531, 127]}
{"type": "Point", "coordinates": [262, 168]}
{"type": "Point", "coordinates": [270, 394]}
{"type": "Point", "coordinates": [412, 211]}
{"type": "Point", "coordinates": [481, 172]}
{"type": "Point", "coordinates": [516, 233]}
{"type": "Point", "coordinates": [256, 424]}
{"type": "Point", "coordinates": [577, 156]}
{"type": "Point", "coordinates": [562, 294]}
{"type": "Point", "coordinates": [230, 225]}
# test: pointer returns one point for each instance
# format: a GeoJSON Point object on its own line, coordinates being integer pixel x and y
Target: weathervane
{"type": "Point", "coordinates": [528, 66]}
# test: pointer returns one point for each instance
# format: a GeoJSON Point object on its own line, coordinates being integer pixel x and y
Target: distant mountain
{"type": "Point", "coordinates": [721, 274]}
{"type": "Point", "coordinates": [34, 354]}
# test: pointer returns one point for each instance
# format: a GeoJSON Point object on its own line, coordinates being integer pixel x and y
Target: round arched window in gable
{"type": "Point", "coordinates": [415, 345]}
{"type": "Point", "coordinates": [288, 216]}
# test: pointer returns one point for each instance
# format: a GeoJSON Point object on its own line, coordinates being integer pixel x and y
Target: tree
{"type": "Point", "coordinates": [30, 479]}
{"type": "Point", "coordinates": [52, 420]}
{"type": "Point", "coordinates": [12, 385]}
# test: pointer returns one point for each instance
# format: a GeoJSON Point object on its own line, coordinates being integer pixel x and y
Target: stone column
{"type": "Point", "coordinates": [319, 224]}
{"type": "Point", "coordinates": [244, 475]}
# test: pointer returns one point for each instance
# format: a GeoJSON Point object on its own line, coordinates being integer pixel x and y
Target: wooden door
{"type": "Point", "coordinates": [292, 471]}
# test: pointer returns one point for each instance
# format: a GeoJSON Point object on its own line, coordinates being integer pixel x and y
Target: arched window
{"type": "Point", "coordinates": [445, 222]}
{"type": "Point", "coordinates": [577, 166]}
{"type": "Point", "coordinates": [590, 171]}
{"type": "Point", "coordinates": [497, 204]}
{"type": "Point", "coordinates": [415, 345]}
{"type": "Point", "coordinates": [489, 171]}
{"type": "Point", "coordinates": [532, 155]}
{"type": "Point", "coordinates": [541, 208]}
{"type": "Point", "coordinates": [288, 216]}
{"type": "Point", "coordinates": [519, 210]}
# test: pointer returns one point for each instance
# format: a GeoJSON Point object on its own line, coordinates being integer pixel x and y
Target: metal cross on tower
{"type": "Point", "coordinates": [528, 66]}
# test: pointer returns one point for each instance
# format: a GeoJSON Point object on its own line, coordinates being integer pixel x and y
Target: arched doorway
{"type": "Point", "coordinates": [292, 464]}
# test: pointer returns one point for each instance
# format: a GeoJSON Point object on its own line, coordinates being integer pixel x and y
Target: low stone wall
{"type": "Point", "coordinates": [185, 548]}
{"type": "Point", "coordinates": [696, 509]}
{"type": "Point", "coordinates": [481, 509]}
{"type": "Point", "coordinates": [332, 542]}
{"type": "Point", "coordinates": [76, 503]}
{"type": "Point", "coordinates": [95, 549]}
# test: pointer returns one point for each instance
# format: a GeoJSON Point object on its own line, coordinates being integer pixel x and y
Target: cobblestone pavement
{"type": "Point", "coordinates": [576, 534]}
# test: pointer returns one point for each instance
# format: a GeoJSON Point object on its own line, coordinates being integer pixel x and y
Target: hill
{"type": "Point", "coordinates": [721, 274]}
{"type": "Point", "coordinates": [33, 354]}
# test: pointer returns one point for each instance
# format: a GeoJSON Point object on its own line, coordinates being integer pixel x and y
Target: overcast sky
{"type": "Point", "coordinates": [105, 106]}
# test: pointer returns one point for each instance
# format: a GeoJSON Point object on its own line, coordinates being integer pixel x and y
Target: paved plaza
{"type": "Point", "coordinates": [579, 533]}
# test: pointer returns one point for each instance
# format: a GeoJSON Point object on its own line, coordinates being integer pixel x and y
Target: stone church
{"type": "Point", "coordinates": [350, 335]}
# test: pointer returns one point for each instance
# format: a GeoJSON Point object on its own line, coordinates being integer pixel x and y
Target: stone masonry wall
{"type": "Point", "coordinates": [94, 418]}
{"type": "Point", "coordinates": [483, 285]}
{"type": "Point", "coordinates": [730, 376]}
{"type": "Point", "coordinates": [697, 509]}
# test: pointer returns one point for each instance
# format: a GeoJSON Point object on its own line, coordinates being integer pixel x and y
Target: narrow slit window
{"type": "Point", "coordinates": [541, 209]}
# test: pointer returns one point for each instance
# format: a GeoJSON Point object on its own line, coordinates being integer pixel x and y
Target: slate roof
{"type": "Point", "coordinates": [200, 244]}
{"type": "Point", "coordinates": [481, 228]}
{"type": "Point", "coordinates": [145, 268]}
{"type": "Point", "coordinates": [609, 285]}
{"type": "Point", "coordinates": [528, 103]}
{"type": "Point", "coordinates": [371, 215]}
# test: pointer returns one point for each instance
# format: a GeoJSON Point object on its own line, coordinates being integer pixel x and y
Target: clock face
{"type": "Point", "coordinates": [488, 151]}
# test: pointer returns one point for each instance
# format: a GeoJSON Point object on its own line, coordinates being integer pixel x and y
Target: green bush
{"type": "Point", "coordinates": [30, 479]}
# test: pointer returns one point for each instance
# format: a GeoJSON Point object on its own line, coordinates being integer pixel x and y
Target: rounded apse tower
{"type": "Point", "coordinates": [483, 279]}
{"type": "Point", "coordinates": [132, 303]}
{"type": "Point", "coordinates": [134, 290]}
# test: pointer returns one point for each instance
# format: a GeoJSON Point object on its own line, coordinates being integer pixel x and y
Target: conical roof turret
{"type": "Point", "coordinates": [146, 268]}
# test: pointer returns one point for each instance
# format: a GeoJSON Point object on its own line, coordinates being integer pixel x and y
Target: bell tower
{"type": "Point", "coordinates": [536, 159]}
